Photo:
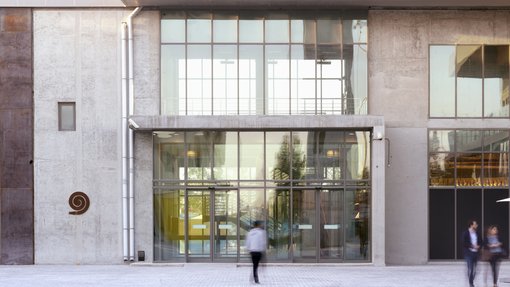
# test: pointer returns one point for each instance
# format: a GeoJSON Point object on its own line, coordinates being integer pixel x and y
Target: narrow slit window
{"type": "Point", "coordinates": [67, 116]}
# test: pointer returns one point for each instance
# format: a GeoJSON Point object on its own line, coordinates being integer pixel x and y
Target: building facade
{"type": "Point", "coordinates": [161, 133]}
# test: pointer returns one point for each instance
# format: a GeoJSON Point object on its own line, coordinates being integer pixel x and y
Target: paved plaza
{"type": "Point", "coordinates": [222, 275]}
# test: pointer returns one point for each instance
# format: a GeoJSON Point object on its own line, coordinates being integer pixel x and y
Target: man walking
{"type": "Point", "coordinates": [256, 244]}
{"type": "Point", "coordinates": [471, 242]}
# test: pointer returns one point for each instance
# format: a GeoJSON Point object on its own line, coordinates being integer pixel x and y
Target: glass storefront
{"type": "Point", "coordinates": [311, 188]}
{"type": "Point", "coordinates": [468, 174]}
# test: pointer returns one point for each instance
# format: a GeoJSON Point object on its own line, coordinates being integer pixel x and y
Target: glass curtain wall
{"type": "Point", "coordinates": [311, 188]}
{"type": "Point", "coordinates": [469, 81]}
{"type": "Point", "coordinates": [249, 64]}
{"type": "Point", "coordinates": [468, 173]}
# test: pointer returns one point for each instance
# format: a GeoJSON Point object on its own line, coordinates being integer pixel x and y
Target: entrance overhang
{"type": "Point", "coordinates": [149, 123]}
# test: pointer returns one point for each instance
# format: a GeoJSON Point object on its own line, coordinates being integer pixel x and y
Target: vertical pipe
{"type": "Point", "coordinates": [127, 138]}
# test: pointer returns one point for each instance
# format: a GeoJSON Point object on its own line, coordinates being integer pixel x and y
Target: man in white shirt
{"type": "Point", "coordinates": [256, 242]}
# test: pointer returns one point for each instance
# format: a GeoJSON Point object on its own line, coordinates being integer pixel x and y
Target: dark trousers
{"type": "Point", "coordinates": [255, 258]}
{"type": "Point", "coordinates": [471, 260]}
{"type": "Point", "coordinates": [494, 262]}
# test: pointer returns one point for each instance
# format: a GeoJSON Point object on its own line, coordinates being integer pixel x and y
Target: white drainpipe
{"type": "Point", "coordinates": [128, 227]}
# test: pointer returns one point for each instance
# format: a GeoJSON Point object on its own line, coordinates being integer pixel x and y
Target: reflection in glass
{"type": "Point", "coordinates": [304, 151]}
{"type": "Point", "coordinates": [251, 153]}
{"type": "Point", "coordinates": [468, 140]}
{"type": "Point", "coordinates": [330, 155]}
{"type": "Point", "coordinates": [199, 225]}
{"type": "Point", "coordinates": [357, 245]}
{"type": "Point", "coordinates": [496, 77]}
{"type": "Point", "coordinates": [357, 155]}
{"type": "Point", "coordinates": [331, 224]}
{"type": "Point", "coordinates": [199, 155]}
{"type": "Point", "coordinates": [168, 155]}
{"type": "Point", "coordinates": [168, 225]}
{"type": "Point", "coordinates": [224, 31]}
{"type": "Point", "coordinates": [441, 140]}
{"type": "Point", "coordinates": [173, 30]}
{"type": "Point", "coordinates": [304, 224]}
{"type": "Point", "coordinates": [354, 80]}
{"type": "Point", "coordinates": [354, 31]}
{"type": "Point", "coordinates": [173, 80]}
{"type": "Point", "coordinates": [199, 31]}
{"type": "Point", "coordinates": [329, 84]}
{"type": "Point", "coordinates": [302, 70]}
{"type": "Point", "coordinates": [278, 159]}
{"type": "Point", "coordinates": [277, 83]}
{"type": "Point", "coordinates": [329, 31]}
{"type": "Point", "coordinates": [442, 81]}
{"type": "Point", "coordinates": [469, 169]}
{"type": "Point", "coordinates": [302, 31]}
{"type": "Point", "coordinates": [496, 140]}
{"type": "Point", "coordinates": [225, 155]}
{"type": "Point", "coordinates": [251, 208]}
{"type": "Point", "coordinates": [278, 223]}
{"type": "Point", "coordinates": [225, 80]}
{"type": "Point", "coordinates": [441, 169]}
{"type": "Point", "coordinates": [469, 80]}
{"type": "Point", "coordinates": [251, 80]}
{"type": "Point", "coordinates": [199, 80]}
{"type": "Point", "coordinates": [495, 169]}
{"type": "Point", "coordinates": [225, 223]}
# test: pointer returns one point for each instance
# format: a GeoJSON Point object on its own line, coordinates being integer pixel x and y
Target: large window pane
{"type": "Point", "coordinates": [304, 224]}
{"type": "Point", "coordinates": [277, 31]}
{"type": "Point", "coordinates": [278, 223]}
{"type": "Point", "coordinates": [199, 223]}
{"type": "Point", "coordinates": [495, 141]}
{"type": "Point", "coordinates": [441, 169]}
{"type": "Point", "coordinates": [199, 82]}
{"type": "Point", "coordinates": [199, 155]}
{"type": "Point", "coordinates": [469, 207]}
{"type": "Point", "coordinates": [496, 213]}
{"type": "Point", "coordinates": [329, 84]}
{"type": "Point", "coordinates": [303, 97]}
{"type": "Point", "coordinates": [225, 155]}
{"type": "Point", "coordinates": [442, 81]}
{"type": "Point", "coordinates": [251, 80]}
{"type": "Point", "coordinates": [225, 80]}
{"type": "Point", "coordinates": [331, 158]}
{"type": "Point", "coordinates": [442, 224]}
{"type": "Point", "coordinates": [329, 31]}
{"type": "Point", "coordinates": [354, 80]}
{"type": "Point", "coordinates": [173, 30]}
{"type": "Point", "coordinates": [469, 169]}
{"type": "Point", "coordinates": [169, 155]}
{"type": "Point", "coordinates": [304, 149]}
{"type": "Point", "coordinates": [496, 77]}
{"type": "Point", "coordinates": [199, 30]}
{"type": "Point", "coordinates": [225, 224]}
{"type": "Point", "coordinates": [441, 140]}
{"type": "Point", "coordinates": [278, 82]}
{"type": "Point", "coordinates": [251, 31]}
{"type": "Point", "coordinates": [357, 233]}
{"type": "Point", "coordinates": [468, 140]}
{"type": "Point", "coordinates": [173, 80]}
{"type": "Point", "coordinates": [251, 209]}
{"type": "Point", "coordinates": [357, 153]}
{"type": "Point", "coordinates": [224, 30]}
{"type": "Point", "coordinates": [469, 81]}
{"type": "Point", "coordinates": [251, 149]}
{"type": "Point", "coordinates": [302, 31]}
{"type": "Point", "coordinates": [278, 157]}
{"type": "Point", "coordinates": [168, 225]}
{"type": "Point", "coordinates": [495, 169]}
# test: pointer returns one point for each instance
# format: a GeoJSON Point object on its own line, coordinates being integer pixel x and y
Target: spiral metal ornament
{"type": "Point", "coordinates": [79, 202]}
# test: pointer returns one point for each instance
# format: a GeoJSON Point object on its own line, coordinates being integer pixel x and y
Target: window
{"type": "Point", "coordinates": [469, 81]}
{"type": "Point", "coordinates": [468, 173]}
{"type": "Point", "coordinates": [247, 64]}
{"type": "Point", "coordinates": [66, 116]}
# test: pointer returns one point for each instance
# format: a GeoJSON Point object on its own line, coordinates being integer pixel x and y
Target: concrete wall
{"type": "Point", "coordinates": [77, 59]}
{"type": "Point", "coordinates": [16, 137]}
{"type": "Point", "coordinates": [398, 84]}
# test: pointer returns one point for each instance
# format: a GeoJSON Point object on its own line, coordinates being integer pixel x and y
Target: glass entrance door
{"type": "Point", "coordinates": [317, 225]}
{"type": "Point", "coordinates": [211, 220]}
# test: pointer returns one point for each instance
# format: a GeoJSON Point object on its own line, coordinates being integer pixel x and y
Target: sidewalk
{"type": "Point", "coordinates": [222, 275]}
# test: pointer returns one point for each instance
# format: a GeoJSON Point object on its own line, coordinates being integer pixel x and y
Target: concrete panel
{"type": "Point", "coordinates": [77, 56]}
{"type": "Point", "coordinates": [144, 207]}
{"type": "Point", "coordinates": [407, 197]}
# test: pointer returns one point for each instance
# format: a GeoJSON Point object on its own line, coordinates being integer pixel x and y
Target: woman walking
{"type": "Point", "coordinates": [493, 246]}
